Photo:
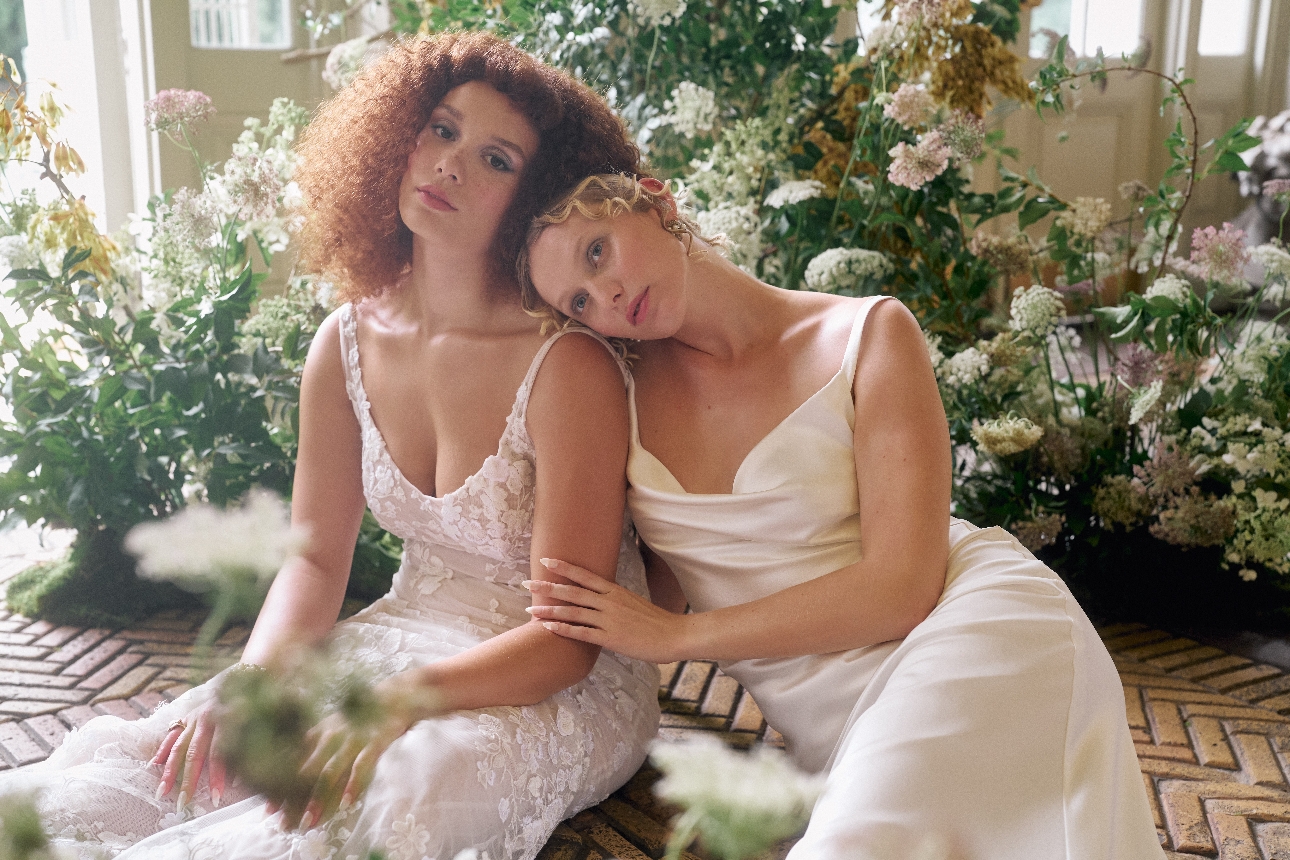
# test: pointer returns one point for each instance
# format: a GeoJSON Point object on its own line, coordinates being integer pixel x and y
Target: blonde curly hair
{"type": "Point", "coordinates": [605, 195]}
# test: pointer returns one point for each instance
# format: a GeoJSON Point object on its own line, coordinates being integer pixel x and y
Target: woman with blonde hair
{"type": "Point", "coordinates": [431, 397]}
{"type": "Point", "coordinates": [790, 470]}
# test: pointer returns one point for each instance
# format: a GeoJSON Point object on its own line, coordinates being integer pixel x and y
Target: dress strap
{"type": "Point", "coordinates": [519, 414]}
{"type": "Point", "coordinates": [348, 330]}
{"type": "Point", "coordinates": [852, 356]}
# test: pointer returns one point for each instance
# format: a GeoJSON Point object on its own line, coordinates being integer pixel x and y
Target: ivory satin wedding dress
{"type": "Point", "coordinates": [998, 724]}
{"type": "Point", "coordinates": [497, 780]}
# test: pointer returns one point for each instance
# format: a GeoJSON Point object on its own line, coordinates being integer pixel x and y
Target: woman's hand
{"type": "Point", "coordinates": [189, 745]}
{"type": "Point", "coordinates": [606, 614]}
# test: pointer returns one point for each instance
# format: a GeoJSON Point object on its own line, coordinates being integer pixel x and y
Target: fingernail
{"type": "Point", "coordinates": [309, 820]}
{"type": "Point", "coordinates": [162, 789]}
{"type": "Point", "coordinates": [549, 625]}
{"type": "Point", "coordinates": [345, 803]}
{"type": "Point", "coordinates": [529, 610]}
{"type": "Point", "coordinates": [182, 802]}
{"type": "Point", "coordinates": [528, 583]}
{"type": "Point", "coordinates": [216, 797]}
{"type": "Point", "coordinates": [548, 563]}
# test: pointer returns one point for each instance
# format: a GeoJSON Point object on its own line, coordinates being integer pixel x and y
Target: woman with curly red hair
{"type": "Point", "coordinates": [419, 180]}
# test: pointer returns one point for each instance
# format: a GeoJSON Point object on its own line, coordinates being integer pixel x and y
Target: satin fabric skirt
{"type": "Point", "coordinates": [995, 731]}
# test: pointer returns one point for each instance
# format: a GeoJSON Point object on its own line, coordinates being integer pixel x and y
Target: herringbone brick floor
{"type": "Point", "coordinates": [1212, 729]}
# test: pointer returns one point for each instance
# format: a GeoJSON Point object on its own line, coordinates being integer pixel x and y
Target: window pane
{"type": "Point", "coordinates": [1224, 28]}
{"type": "Point", "coordinates": [1115, 26]}
{"type": "Point", "coordinates": [240, 23]}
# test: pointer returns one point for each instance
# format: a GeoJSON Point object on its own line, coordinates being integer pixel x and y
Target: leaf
{"type": "Point", "coordinates": [1229, 160]}
{"type": "Point", "coordinates": [1035, 209]}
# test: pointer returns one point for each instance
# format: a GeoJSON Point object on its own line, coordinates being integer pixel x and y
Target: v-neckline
{"type": "Point", "coordinates": [734, 484]}
{"type": "Point", "coordinates": [385, 448]}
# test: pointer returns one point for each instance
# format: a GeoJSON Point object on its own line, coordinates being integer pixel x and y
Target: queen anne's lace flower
{"type": "Point", "coordinates": [656, 13]}
{"type": "Point", "coordinates": [1087, 217]}
{"type": "Point", "coordinates": [176, 112]}
{"type": "Point", "coordinates": [200, 544]}
{"type": "Point", "coordinates": [843, 269]}
{"type": "Point", "coordinates": [344, 62]}
{"type": "Point", "coordinates": [1220, 254]}
{"type": "Point", "coordinates": [743, 802]}
{"type": "Point", "coordinates": [965, 368]}
{"type": "Point", "coordinates": [911, 106]}
{"type": "Point", "coordinates": [691, 110]}
{"type": "Point", "coordinates": [741, 229]}
{"type": "Point", "coordinates": [16, 253]}
{"type": "Point", "coordinates": [1035, 310]}
{"type": "Point", "coordinates": [1276, 271]}
{"type": "Point", "coordinates": [795, 191]}
{"type": "Point", "coordinates": [1006, 436]}
{"type": "Point", "coordinates": [1170, 287]}
{"type": "Point", "coordinates": [1143, 399]}
{"type": "Point", "coordinates": [914, 166]}
{"type": "Point", "coordinates": [933, 342]}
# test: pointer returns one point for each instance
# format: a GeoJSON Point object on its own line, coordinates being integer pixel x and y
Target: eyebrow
{"type": "Point", "coordinates": [500, 141]}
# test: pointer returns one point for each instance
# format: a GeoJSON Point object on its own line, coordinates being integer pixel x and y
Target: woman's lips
{"type": "Point", "coordinates": [636, 311]}
{"type": "Point", "coordinates": [434, 199]}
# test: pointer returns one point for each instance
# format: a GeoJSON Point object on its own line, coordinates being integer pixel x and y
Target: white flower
{"type": "Point", "coordinates": [844, 270]}
{"type": "Point", "coordinates": [1007, 435]}
{"type": "Point", "coordinates": [734, 167]}
{"type": "Point", "coordinates": [741, 229]}
{"type": "Point", "coordinates": [795, 191]}
{"type": "Point", "coordinates": [966, 367]}
{"type": "Point", "coordinates": [1062, 343]}
{"type": "Point", "coordinates": [1087, 217]}
{"type": "Point", "coordinates": [1143, 399]}
{"type": "Point", "coordinates": [1170, 287]}
{"type": "Point", "coordinates": [201, 545]}
{"type": "Point", "coordinates": [691, 110]}
{"type": "Point", "coordinates": [345, 62]}
{"type": "Point", "coordinates": [740, 802]}
{"type": "Point", "coordinates": [1276, 271]}
{"type": "Point", "coordinates": [654, 13]}
{"type": "Point", "coordinates": [15, 253]}
{"type": "Point", "coordinates": [410, 840]}
{"type": "Point", "coordinates": [1035, 310]}
{"type": "Point", "coordinates": [933, 342]}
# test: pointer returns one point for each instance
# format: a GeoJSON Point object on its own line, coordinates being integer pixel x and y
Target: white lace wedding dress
{"type": "Point", "coordinates": [497, 780]}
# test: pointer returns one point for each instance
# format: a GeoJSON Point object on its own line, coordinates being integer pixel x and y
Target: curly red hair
{"type": "Point", "coordinates": [355, 151]}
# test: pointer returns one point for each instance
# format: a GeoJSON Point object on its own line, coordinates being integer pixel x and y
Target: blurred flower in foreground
{"type": "Point", "coordinates": [22, 833]}
{"type": "Point", "coordinates": [656, 13]}
{"type": "Point", "coordinates": [794, 191]}
{"type": "Point", "coordinates": [176, 113]}
{"type": "Point", "coordinates": [738, 804]}
{"type": "Point", "coordinates": [200, 546]}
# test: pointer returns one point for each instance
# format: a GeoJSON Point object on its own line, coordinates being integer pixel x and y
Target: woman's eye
{"type": "Point", "coordinates": [442, 131]}
{"type": "Point", "coordinates": [579, 304]}
{"type": "Point", "coordinates": [594, 252]}
{"type": "Point", "coordinates": [497, 162]}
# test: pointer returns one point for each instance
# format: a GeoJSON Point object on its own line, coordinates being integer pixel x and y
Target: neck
{"type": "Point", "coordinates": [727, 311]}
{"type": "Point", "coordinates": [458, 289]}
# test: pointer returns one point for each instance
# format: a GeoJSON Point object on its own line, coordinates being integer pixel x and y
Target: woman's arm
{"type": "Point", "coordinates": [305, 598]}
{"type": "Point", "coordinates": [902, 455]}
{"type": "Point", "coordinates": [577, 419]}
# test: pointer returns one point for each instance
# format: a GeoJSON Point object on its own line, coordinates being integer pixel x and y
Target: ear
{"type": "Point", "coordinates": [659, 187]}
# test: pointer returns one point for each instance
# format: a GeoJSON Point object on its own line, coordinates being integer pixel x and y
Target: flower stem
{"type": "Point", "coordinates": [649, 67]}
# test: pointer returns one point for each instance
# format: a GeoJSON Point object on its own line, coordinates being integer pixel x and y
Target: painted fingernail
{"type": "Point", "coordinates": [548, 563]}
{"type": "Point", "coordinates": [345, 803]}
{"type": "Point", "coordinates": [550, 625]}
{"type": "Point", "coordinates": [182, 802]}
{"type": "Point", "coordinates": [162, 789]}
{"type": "Point", "coordinates": [529, 610]}
{"type": "Point", "coordinates": [309, 820]}
{"type": "Point", "coordinates": [216, 797]}
{"type": "Point", "coordinates": [528, 583]}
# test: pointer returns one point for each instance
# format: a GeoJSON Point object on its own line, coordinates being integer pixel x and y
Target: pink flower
{"type": "Point", "coordinates": [1220, 254]}
{"type": "Point", "coordinates": [1279, 188]}
{"type": "Point", "coordinates": [914, 166]}
{"type": "Point", "coordinates": [176, 112]}
{"type": "Point", "coordinates": [911, 106]}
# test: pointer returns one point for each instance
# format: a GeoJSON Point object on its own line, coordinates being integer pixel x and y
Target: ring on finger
{"type": "Point", "coordinates": [177, 724]}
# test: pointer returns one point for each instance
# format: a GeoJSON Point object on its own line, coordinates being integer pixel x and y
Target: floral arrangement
{"type": "Point", "coordinates": [1125, 434]}
{"type": "Point", "coordinates": [139, 373]}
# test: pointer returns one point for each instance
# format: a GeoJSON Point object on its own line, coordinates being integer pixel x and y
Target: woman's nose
{"type": "Point", "coordinates": [609, 291]}
{"type": "Point", "coordinates": [449, 164]}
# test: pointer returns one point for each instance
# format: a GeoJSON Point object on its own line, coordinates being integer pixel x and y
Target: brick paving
{"type": "Point", "coordinates": [1212, 729]}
